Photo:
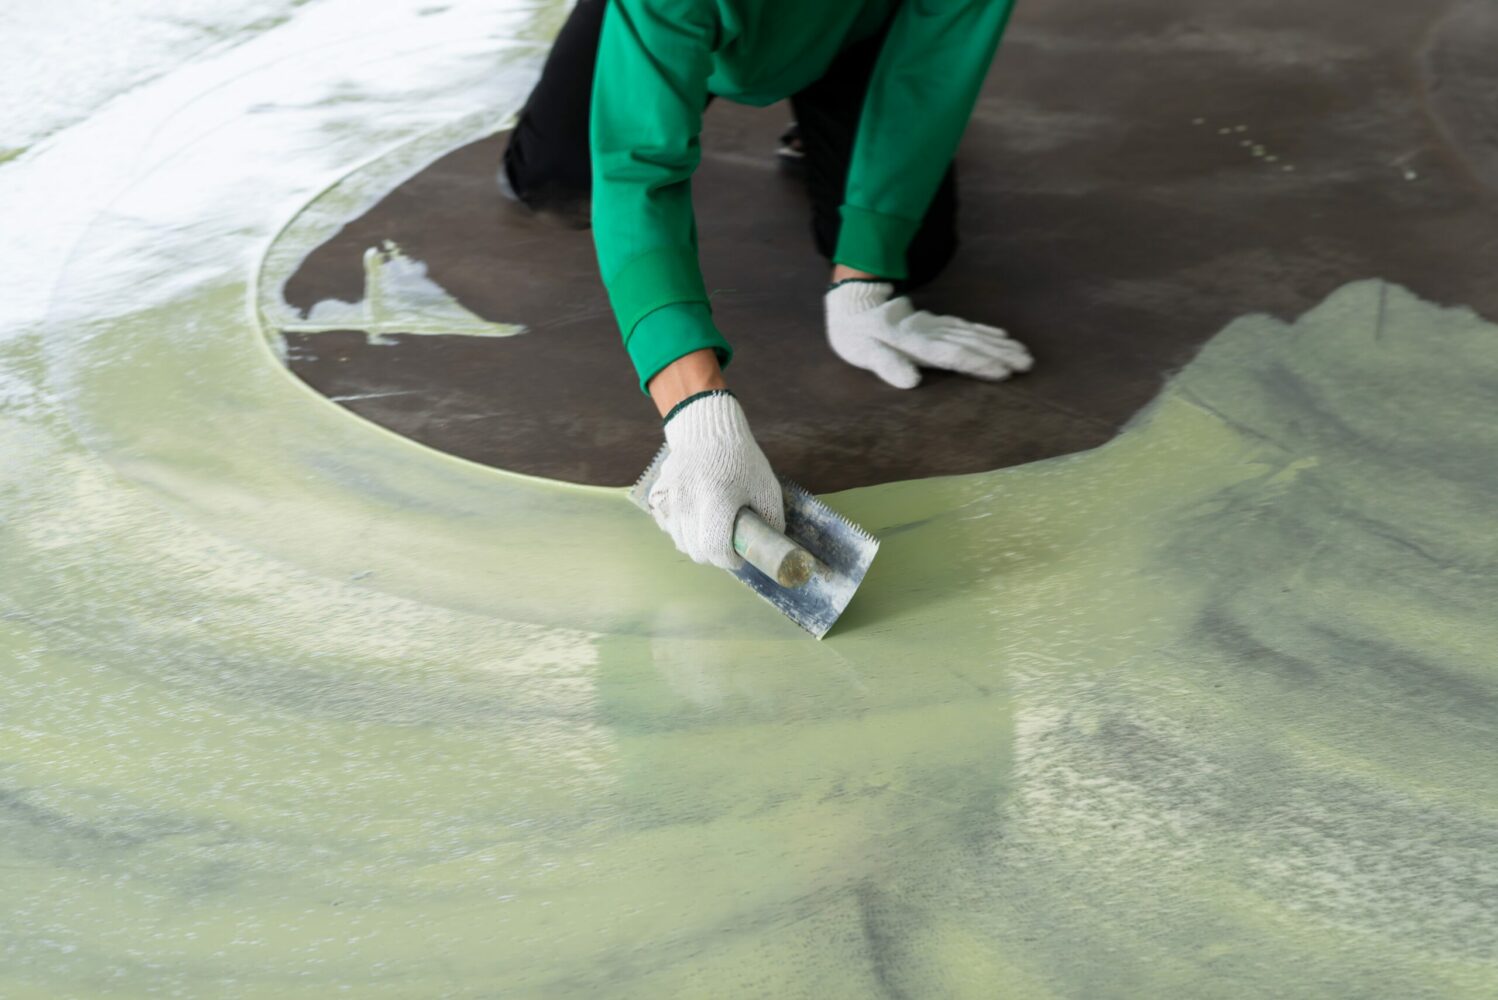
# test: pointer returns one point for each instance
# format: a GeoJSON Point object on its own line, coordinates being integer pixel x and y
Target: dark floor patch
{"type": "Point", "coordinates": [1461, 88]}
{"type": "Point", "coordinates": [1132, 180]}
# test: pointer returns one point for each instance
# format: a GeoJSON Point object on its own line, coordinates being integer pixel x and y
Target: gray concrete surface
{"type": "Point", "coordinates": [1134, 177]}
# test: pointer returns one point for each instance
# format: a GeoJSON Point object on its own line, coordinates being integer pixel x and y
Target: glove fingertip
{"type": "Point", "coordinates": [906, 376]}
{"type": "Point", "coordinates": [716, 539]}
{"type": "Point", "coordinates": [724, 557]}
{"type": "Point", "coordinates": [1006, 367]}
{"type": "Point", "coordinates": [772, 510]}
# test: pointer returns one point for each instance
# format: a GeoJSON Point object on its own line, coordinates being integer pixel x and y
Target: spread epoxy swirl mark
{"type": "Point", "coordinates": [294, 706]}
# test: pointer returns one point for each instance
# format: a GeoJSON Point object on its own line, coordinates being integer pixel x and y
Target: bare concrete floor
{"type": "Point", "coordinates": [1133, 178]}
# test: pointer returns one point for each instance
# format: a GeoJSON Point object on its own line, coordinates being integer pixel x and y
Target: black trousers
{"type": "Point", "coordinates": [547, 160]}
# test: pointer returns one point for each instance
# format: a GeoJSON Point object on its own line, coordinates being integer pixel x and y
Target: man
{"type": "Point", "coordinates": [881, 89]}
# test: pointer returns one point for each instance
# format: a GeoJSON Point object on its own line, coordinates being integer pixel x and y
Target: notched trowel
{"type": "Point", "coordinates": [811, 572]}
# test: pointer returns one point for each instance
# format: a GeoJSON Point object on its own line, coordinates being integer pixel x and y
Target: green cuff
{"type": "Point", "coordinates": [662, 336]}
{"type": "Point", "coordinates": [651, 280]}
{"type": "Point", "coordinates": [874, 242]}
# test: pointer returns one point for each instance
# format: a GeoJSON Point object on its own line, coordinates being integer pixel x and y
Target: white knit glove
{"type": "Point", "coordinates": [713, 468]}
{"type": "Point", "coordinates": [890, 338]}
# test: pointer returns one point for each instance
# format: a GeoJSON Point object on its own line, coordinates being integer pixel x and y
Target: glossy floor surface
{"type": "Point", "coordinates": [295, 706]}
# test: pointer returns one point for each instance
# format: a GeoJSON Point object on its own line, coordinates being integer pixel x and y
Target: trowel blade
{"type": "Point", "coordinates": [845, 549]}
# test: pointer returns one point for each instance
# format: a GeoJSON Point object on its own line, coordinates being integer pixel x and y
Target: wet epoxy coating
{"type": "Point", "coordinates": [293, 706]}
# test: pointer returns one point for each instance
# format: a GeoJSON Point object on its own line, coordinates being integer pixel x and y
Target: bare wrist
{"type": "Point", "coordinates": [842, 272]}
{"type": "Point", "coordinates": [688, 374]}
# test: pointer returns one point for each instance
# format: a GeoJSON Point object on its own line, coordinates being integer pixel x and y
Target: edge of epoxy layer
{"type": "Point", "coordinates": [323, 215]}
{"type": "Point", "coordinates": [175, 260]}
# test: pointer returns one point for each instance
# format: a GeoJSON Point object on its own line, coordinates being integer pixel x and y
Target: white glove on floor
{"type": "Point", "coordinates": [890, 338]}
{"type": "Point", "coordinates": [713, 468]}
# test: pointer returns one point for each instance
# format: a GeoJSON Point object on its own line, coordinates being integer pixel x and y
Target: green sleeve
{"type": "Point", "coordinates": [662, 336]}
{"type": "Point", "coordinates": [649, 90]}
{"type": "Point", "coordinates": [925, 83]}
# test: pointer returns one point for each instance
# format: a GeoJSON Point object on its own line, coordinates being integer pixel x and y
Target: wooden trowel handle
{"type": "Point", "coordinates": [770, 552]}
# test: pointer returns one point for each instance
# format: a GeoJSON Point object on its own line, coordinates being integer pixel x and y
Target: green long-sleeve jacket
{"type": "Point", "coordinates": [657, 62]}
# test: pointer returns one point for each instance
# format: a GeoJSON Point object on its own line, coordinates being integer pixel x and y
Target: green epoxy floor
{"type": "Point", "coordinates": [294, 706]}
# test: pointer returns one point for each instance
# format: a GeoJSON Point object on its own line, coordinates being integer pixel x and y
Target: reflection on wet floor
{"type": "Point", "coordinates": [399, 297]}
{"type": "Point", "coordinates": [296, 706]}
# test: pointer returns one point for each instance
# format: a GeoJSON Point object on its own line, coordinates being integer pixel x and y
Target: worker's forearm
{"type": "Point", "coordinates": [699, 370]}
{"type": "Point", "coordinates": [694, 372]}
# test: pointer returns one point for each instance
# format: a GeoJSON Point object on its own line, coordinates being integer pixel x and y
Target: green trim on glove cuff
{"type": "Point", "coordinates": [857, 281]}
{"type": "Point", "coordinates": [692, 399]}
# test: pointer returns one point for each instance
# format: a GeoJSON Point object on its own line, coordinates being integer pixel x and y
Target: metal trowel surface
{"type": "Point", "coordinates": [811, 572]}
